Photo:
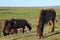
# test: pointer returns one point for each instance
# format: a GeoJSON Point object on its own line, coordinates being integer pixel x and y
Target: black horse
{"type": "Point", "coordinates": [15, 24]}
{"type": "Point", "coordinates": [47, 15]}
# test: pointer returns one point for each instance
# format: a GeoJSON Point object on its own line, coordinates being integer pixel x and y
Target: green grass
{"type": "Point", "coordinates": [26, 12]}
{"type": "Point", "coordinates": [31, 15]}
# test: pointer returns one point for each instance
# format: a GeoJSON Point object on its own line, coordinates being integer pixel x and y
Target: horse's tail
{"type": "Point", "coordinates": [28, 25]}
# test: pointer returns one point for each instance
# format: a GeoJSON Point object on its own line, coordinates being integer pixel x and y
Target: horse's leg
{"type": "Point", "coordinates": [52, 28]}
{"type": "Point", "coordinates": [52, 24]}
{"type": "Point", "coordinates": [23, 30]}
{"type": "Point", "coordinates": [15, 30]}
{"type": "Point", "coordinates": [20, 30]}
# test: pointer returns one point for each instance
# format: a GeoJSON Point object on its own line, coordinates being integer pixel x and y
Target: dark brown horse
{"type": "Point", "coordinates": [8, 25]}
{"type": "Point", "coordinates": [46, 15]}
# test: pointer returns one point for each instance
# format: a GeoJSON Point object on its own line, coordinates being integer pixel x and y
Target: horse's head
{"type": "Point", "coordinates": [29, 26]}
{"type": "Point", "coordinates": [6, 27]}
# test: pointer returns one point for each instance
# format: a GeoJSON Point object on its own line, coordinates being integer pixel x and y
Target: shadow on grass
{"type": "Point", "coordinates": [33, 34]}
{"type": "Point", "coordinates": [27, 35]}
{"type": "Point", "coordinates": [54, 33]}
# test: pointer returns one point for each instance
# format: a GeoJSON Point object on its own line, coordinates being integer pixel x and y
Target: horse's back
{"type": "Point", "coordinates": [52, 14]}
{"type": "Point", "coordinates": [18, 23]}
{"type": "Point", "coordinates": [47, 14]}
{"type": "Point", "coordinates": [21, 22]}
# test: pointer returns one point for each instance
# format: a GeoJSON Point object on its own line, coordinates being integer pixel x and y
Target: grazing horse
{"type": "Point", "coordinates": [46, 15]}
{"type": "Point", "coordinates": [8, 25]}
{"type": "Point", "coordinates": [20, 23]}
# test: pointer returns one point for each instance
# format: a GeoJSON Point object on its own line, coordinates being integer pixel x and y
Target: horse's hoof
{"type": "Point", "coordinates": [52, 31]}
{"type": "Point", "coordinates": [49, 32]}
{"type": "Point", "coordinates": [39, 37]}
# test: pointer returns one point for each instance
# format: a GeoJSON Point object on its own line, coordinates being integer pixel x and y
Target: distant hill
{"type": "Point", "coordinates": [51, 6]}
{"type": "Point", "coordinates": [56, 6]}
{"type": "Point", "coordinates": [30, 7]}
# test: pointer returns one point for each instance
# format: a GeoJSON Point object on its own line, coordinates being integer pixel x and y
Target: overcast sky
{"type": "Point", "coordinates": [29, 3]}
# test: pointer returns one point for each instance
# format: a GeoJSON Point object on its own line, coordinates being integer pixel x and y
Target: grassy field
{"type": "Point", "coordinates": [31, 15]}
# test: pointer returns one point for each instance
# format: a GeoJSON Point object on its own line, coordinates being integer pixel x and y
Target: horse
{"type": "Point", "coordinates": [45, 16]}
{"type": "Point", "coordinates": [20, 23]}
{"type": "Point", "coordinates": [15, 24]}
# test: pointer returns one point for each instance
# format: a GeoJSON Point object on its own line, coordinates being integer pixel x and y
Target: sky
{"type": "Point", "coordinates": [29, 3]}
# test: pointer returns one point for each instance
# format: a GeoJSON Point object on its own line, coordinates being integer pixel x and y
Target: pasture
{"type": "Point", "coordinates": [31, 15]}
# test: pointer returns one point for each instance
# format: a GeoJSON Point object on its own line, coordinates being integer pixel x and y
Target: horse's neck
{"type": "Point", "coordinates": [41, 23]}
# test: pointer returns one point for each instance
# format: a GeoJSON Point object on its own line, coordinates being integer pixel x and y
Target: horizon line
{"type": "Point", "coordinates": [29, 6]}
